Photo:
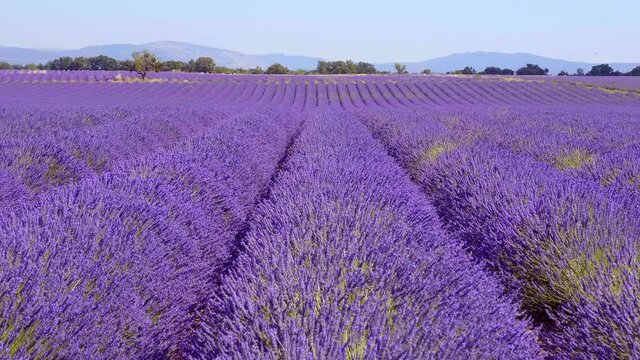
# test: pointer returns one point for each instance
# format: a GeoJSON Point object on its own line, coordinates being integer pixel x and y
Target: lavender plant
{"type": "Point", "coordinates": [567, 246]}
{"type": "Point", "coordinates": [348, 260]}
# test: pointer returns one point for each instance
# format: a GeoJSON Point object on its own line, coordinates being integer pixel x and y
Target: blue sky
{"type": "Point", "coordinates": [376, 31]}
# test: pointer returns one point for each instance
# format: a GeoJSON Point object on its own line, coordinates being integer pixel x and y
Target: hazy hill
{"type": "Point", "coordinates": [166, 50]}
{"type": "Point", "coordinates": [480, 60]}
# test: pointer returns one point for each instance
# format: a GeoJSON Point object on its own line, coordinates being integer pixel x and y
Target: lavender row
{"type": "Point", "coordinates": [43, 149]}
{"type": "Point", "coordinates": [567, 246]}
{"type": "Point", "coordinates": [344, 92]}
{"type": "Point", "coordinates": [115, 266]}
{"type": "Point", "coordinates": [346, 259]}
{"type": "Point", "coordinates": [607, 83]}
{"type": "Point", "coordinates": [601, 146]}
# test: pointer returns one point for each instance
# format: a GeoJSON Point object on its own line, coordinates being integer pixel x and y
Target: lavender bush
{"type": "Point", "coordinates": [567, 246]}
{"type": "Point", "coordinates": [348, 260]}
{"type": "Point", "coordinates": [115, 265]}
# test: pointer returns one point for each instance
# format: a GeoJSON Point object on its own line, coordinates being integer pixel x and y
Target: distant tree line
{"type": "Point", "coordinates": [533, 69]}
{"type": "Point", "coordinates": [492, 70]}
{"type": "Point", "coordinates": [467, 70]}
{"type": "Point", "coordinates": [344, 67]}
{"type": "Point", "coordinates": [602, 70]}
{"type": "Point", "coordinates": [144, 62]}
{"type": "Point", "coordinates": [529, 69]}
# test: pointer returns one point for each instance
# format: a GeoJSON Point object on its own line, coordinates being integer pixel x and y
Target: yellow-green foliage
{"type": "Point", "coordinates": [266, 340]}
{"type": "Point", "coordinates": [513, 79]}
{"type": "Point", "coordinates": [362, 266]}
{"type": "Point", "coordinates": [362, 293]}
{"type": "Point", "coordinates": [582, 269]}
{"type": "Point", "coordinates": [607, 89]}
{"type": "Point", "coordinates": [356, 350]}
{"type": "Point", "coordinates": [574, 160]}
{"type": "Point", "coordinates": [294, 305]}
{"type": "Point", "coordinates": [8, 329]}
{"type": "Point", "coordinates": [611, 90]}
{"type": "Point", "coordinates": [56, 173]}
{"type": "Point", "coordinates": [129, 334]}
{"type": "Point", "coordinates": [431, 153]}
{"type": "Point", "coordinates": [438, 149]}
{"type": "Point", "coordinates": [266, 314]}
{"type": "Point", "coordinates": [73, 285]}
{"type": "Point", "coordinates": [94, 161]}
{"type": "Point", "coordinates": [318, 298]}
{"type": "Point", "coordinates": [154, 315]}
{"type": "Point", "coordinates": [635, 181]}
{"type": "Point", "coordinates": [608, 179]}
{"type": "Point", "coordinates": [585, 263]}
{"type": "Point", "coordinates": [26, 337]}
{"type": "Point", "coordinates": [391, 311]}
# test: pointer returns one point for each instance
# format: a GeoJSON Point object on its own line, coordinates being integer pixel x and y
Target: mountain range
{"type": "Point", "coordinates": [173, 50]}
{"type": "Point", "coordinates": [165, 50]}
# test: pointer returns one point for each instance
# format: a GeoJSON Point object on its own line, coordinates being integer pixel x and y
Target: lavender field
{"type": "Point", "coordinates": [201, 216]}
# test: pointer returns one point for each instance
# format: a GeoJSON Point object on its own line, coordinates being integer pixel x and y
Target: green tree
{"type": "Point", "coordinates": [62, 63]}
{"type": "Point", "coordinates": [532, 69]}
{"type": "Point", "coordinates": [80, 63]}
{"type": "Point", "coordinates": [400, 68]}
{"type": "Point", "coordinates": [635, 71]}
{"type": "Point", "coordinates": [145, 62]}
{"type": "Point", "coordinates": [601, 70]}
{"type": "Point", "coordinates": [344, 67]}
{"type": "Point", "coordinates": [468, 70]}
{"type": "Point", "coordinates": [352, 68]}
{"type": "Point", "coordinates": [256, 70]}
{"type": "Point", "coordinates": [205, 65]}
{"type": "Point", "coordinates": [323, 67]}
{"type": "Point", "coordinates": [339, 67]}
{"type": "Point", "coordinates": [174, 65]}
{"type": "Point", "coordinates": [190, 66]}
{"type": "Point", "coordinates": [277, 69]}
{"type": "Point", "coordinates": [507, 72]}
{"type": "Point", "coordinates": [126, 65]}
{"type": "Point", "coordinates": [492, 70]}
{"type": "Point", "coordinates": [579, 71]}
{"type": "Point", "coordinates": [103, 62]}
{"type": "Point", "coordinates": [426, 72]}
{"type": "Point", "coordinates": [563, 73]}
{"type": "Point", "coordinates": [224, 70]}
{"type": "Point", "coordinates": [365, 68]}
{"type": "Point", "coordinates": [5, 66]}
